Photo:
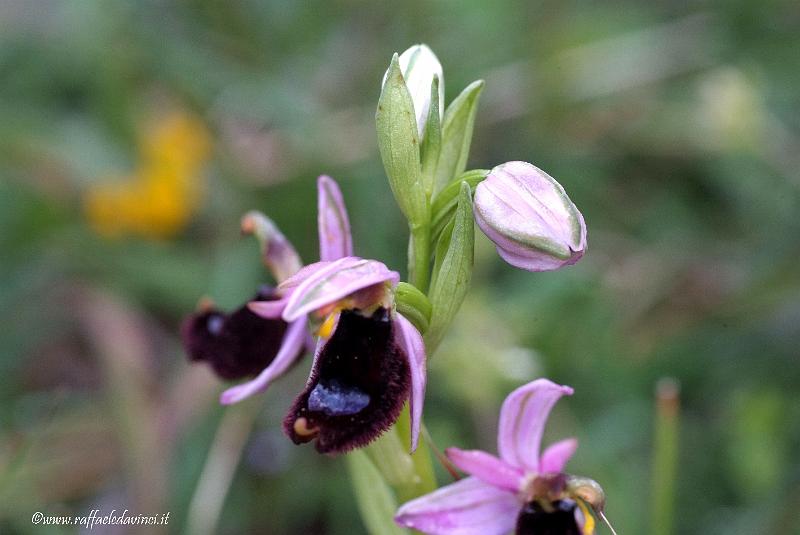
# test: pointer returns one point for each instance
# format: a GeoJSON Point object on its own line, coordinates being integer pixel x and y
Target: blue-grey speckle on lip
{"type": "Point", "coordinates": [334, 399]}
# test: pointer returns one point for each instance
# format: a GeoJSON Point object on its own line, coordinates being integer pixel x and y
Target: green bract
{"type": "Point", "coordinates": [398, 142]}
{"type": "Point", "coordinates": [432, 142]}
{"type": "Point", "coordinates": [446, 201]}
{"type": "Point", "coordinates": [459, 121]}
{"type": "Point", "coordinates": [414, 305]}
{"type": "Point", "coordinates": [452, 270]}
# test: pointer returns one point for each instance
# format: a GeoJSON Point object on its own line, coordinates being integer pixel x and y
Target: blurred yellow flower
{"type": "Point", "coordinates": [159, 197]}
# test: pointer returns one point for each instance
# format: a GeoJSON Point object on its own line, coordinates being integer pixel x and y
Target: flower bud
{"type": "Point", "coordinates": [419, 65]}
{"type": "Point", "coordinates": [529, 217]}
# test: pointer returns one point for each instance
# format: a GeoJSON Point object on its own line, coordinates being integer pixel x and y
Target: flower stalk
{"type": "Point", "coordinates": [424, 478]}
{"type": "Point", "coordinates": [665, 455]}
{"type": "Point", "coordinates": [220, 467]}
{"type": "Point", "coordinates": [419, 256]}
{"type": "Point", "coordinates": [445, 203]}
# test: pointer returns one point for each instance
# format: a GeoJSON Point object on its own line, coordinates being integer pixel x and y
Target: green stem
{"type": "Point", "coordinates": [424, 480]}
{"type": "Point", "coordinates": [445, 203]}
{"type": "Point", "coordinates": [419, 256]}
{"type": "Point", "coordinates": [665, 456]}
{"type": "Point", "coordinates": [220, 467]}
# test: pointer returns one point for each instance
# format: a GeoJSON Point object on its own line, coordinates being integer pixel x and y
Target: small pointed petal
{"type": "Point", "coordinates": [522, 420]}
{"type": "Point", "coordinates": [529, 217]}
{"type": "Point", "coordinates": [409, 339]}
{"type": "Point", "coordinates": [487, 468]}
{"type": "Point", "coordinates": [278, 252]}
{"type": "Point", "coordinates": [556, 456]}
{"type": "Point", "coordinates": [268, 309]}
{"type": "Point", "coordinates": [335, 281]}
{"type": "Point", "coordinates": [335, 240]}
{"type": "Point", "coordinates": [467, 507]}
{"type": "Point", "coordinates": [293, 342]}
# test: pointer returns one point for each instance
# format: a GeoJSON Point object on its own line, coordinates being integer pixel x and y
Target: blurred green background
{"type": "Point", "coordinates": [133, 135]}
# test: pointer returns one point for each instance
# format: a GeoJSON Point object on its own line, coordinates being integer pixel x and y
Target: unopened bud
{"type": "Point", "coordinates": [529, 217]}
{"type": "Point", "coordinates": [419, 65]}
{"type": "Point", "coordinates": [587, 490]}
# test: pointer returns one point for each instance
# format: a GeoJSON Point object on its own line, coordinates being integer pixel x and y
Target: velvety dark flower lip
{"type": "Point", "coordinates": [560, 519]}
{"type": "Point", "coordinates": [238, 344]}
{"type": "Point", "coordinates": [357, 387]}
{"type": "Point", "coordinates": [339, 296]}
{"type": "Point", "coordinates": [334, 295]}
{"type": "Point", "coordinates": [520, 489]}
{"type": "Point", "coordinates": [327, 292]}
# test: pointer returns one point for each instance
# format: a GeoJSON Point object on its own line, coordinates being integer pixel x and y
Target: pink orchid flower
{"type": "Point", "coordinates": [521, 491]}
{"type": "Point", "coordinates": [368, 360]}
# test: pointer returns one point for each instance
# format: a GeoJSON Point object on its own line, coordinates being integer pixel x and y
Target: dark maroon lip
{"type": "Point", "coordinates": [357, 387]}
{"type": "Point", "coordinates": [558, 518]}
{"type": "Point", "coordinates": [236, 345]}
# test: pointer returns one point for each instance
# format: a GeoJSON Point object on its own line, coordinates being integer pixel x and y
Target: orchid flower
{"type": "Point", "coordinates": [369, 359]}
{"type": "Point", "coordinates": [529, 217]}
{"type": "Point", "coordinates": [522, 490]}
{"type": "Point", "coordinates": [241, 344]}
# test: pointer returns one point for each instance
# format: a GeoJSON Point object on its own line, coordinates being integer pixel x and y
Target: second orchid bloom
{"type": "Point", "coordinates": [523, 490]}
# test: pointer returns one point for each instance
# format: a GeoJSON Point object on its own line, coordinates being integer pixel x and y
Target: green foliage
{"type": "Point", "coordinates": [432, 142]}
{"type": "Point", "coordinates": [457, 127]}
{"type": "Point", "coordinates": [374, 497]}
{"type": "Point", "coordinates": [452, 270]}
{"type": "Point", "coordinates": [399, 146]}
{"type": "Point", "coordinates": [414, 305]}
